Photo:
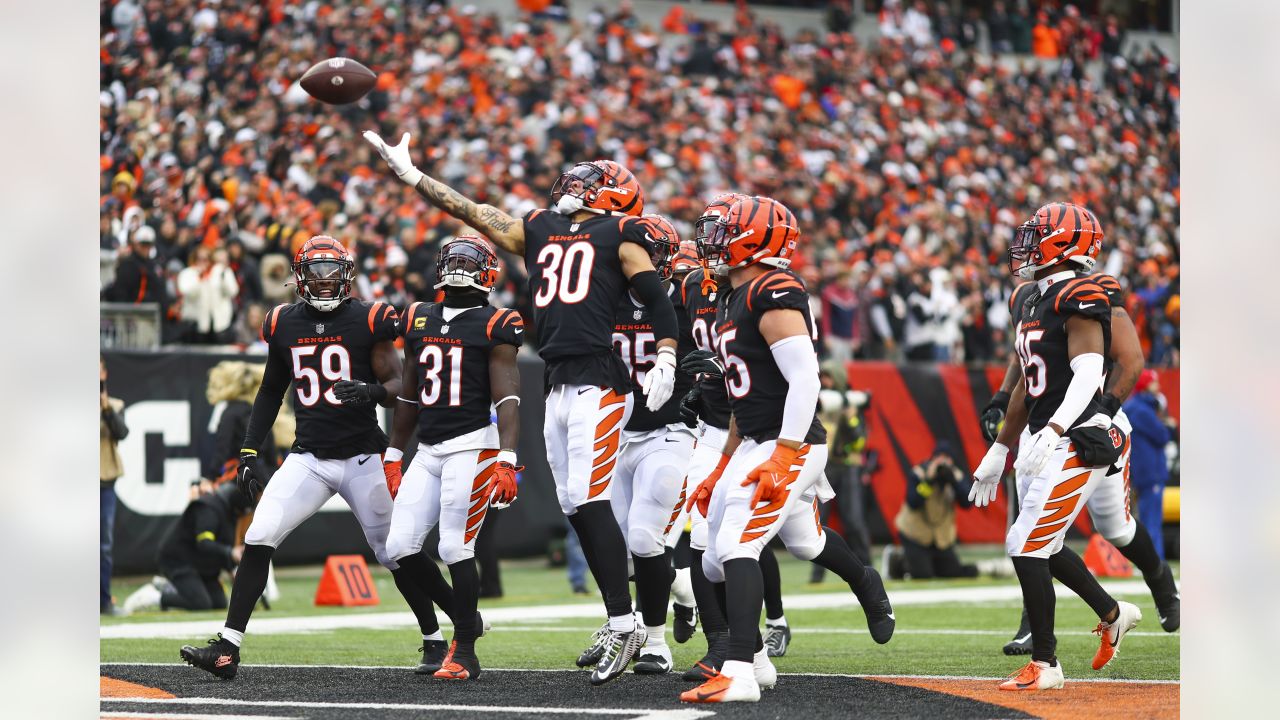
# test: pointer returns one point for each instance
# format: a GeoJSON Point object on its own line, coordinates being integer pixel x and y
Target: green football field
{"type": "Point", "coordinates": [937, 634]}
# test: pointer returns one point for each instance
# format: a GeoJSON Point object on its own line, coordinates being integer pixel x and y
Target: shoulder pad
{"type": "Point", "coordinates": [777, 289]}
{"type": "Point", "coordinates": [505, 327]}
{"type": "Point", "coordinates": [1083, 296]}
{"type": "Point", "coordinates": [270, 321]}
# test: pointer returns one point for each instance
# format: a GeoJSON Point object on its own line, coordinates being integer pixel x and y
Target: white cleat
{"type": "Point", "coordinates": [766, 674]}
{"type": "Point", "coordinates": [144, 598]}
{"type": "Point", "coordinates": [1035, 675]}
{"type": "Point", "coordinates": [1113, 633]}
{"type": "Point", "coordinates": [726, 688]}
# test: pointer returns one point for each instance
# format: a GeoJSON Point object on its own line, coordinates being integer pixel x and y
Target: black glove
{"type": "Point", "coordinates": [250, 480]}
{"type": "Point", "coordinates": [993, 415]}
{"type": "Point", "coordinates": [691, 405]}
{"type": "Point", "coordinates": [356, 392]}
{"type": "Point", "coordinates": [702, 361]}
{"type": "Point", "coordinates": [1110, 404]}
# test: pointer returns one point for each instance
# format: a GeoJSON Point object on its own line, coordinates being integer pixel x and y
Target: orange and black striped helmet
{"type": "Point", "coordinates": [602, 186]}
{"type": "Point", "coordinates": [754, 230]}
{"type": "Point", "coordinates": [686, 259]}
{"type": "Point", "coordinates": [715, 210]}
{"type": "Point", "coordinates": [467, 261]}
{"type": "Point", "coordinates": [322, 272]}
{"type": "Point", "coordinates": [1058, 232]}
{"type": "Point", "coordinates": [662, 240]}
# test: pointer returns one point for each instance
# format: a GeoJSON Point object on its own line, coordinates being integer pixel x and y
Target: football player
{"type": "Point", "coordinates": [340, 355]}
{"type": "Point", "coordinates": [1062, 337]}
{"type": "Point", "coordinates": [706, 405]}
{"type": "Point", "coordinates": [1109, 505]}
{"type": "Point", "coordinates": [582, 256]}
{"type": "Point", "coordinates": [460, 360]}
{"type": "Point", "coordinates": [775, 451]}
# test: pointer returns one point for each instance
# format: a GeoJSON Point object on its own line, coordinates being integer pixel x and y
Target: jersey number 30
{"type": "Point", "coordinates": [1033, 367]}
{"type": "Point", "coordinates": [566, 273]}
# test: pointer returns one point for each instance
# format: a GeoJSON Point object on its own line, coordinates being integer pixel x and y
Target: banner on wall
{"type": "Point", "coordinates": [912, 408]}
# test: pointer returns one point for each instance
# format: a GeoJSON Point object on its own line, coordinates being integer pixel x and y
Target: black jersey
{"type": "Point", "coordinates": [635, 343]}
{"type": "Point", "coordinates": [1115, 295]}
{"type": "Point", "coordinates": [701, 311]}
{"type": "Point", "coordinates": [1040, 323]}
{"type": "Point", "coordinates": [452, 359]}
{"type": "Point", "coordinates": [757, 388]}
{"type": "Point", "coordinates": [576, 280]}
{"type": "Point", "coordinates": [317, 349]}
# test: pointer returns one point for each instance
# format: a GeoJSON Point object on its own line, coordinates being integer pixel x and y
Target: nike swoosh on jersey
{"type": "Point", "coordinates": [361, 462]}
{"type": "Point", "coordinates": [1085, 305]}
{"type": "Point", "coordinates": [777, 295]}
{"type": "Point", "coordinates": [519, 330]}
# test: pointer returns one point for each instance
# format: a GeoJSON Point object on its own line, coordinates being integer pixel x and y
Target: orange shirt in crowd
{"type": "Point", "coordinates": [1046, 42]}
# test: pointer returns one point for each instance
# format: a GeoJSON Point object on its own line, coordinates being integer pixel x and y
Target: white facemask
{"type": "Point", "coordinates": [568, 204]}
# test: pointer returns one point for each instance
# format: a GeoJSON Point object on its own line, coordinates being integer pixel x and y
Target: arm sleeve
{"type": "Point", "coordinates": [799, 365]}
{"type": "Point", "coordinates": [506, 327]}
{"type": "Point", "coordinates": [1085, 382]}
{"type": "Point", "coordinates": [649, 289]}
{"type": "Point", "coordinates": [266, 405]}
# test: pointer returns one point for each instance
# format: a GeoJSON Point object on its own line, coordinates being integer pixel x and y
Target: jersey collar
{"type": "Point", "coordinates": [1059, 277]}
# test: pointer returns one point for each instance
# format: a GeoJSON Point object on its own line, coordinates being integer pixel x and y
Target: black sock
{"type": "Point", "coordinates": [598, 530]}
{"type": "Point", "coordinates": [1070, 570]}
{"type": "Point", "coordinates": [251, 580]}
{"type": "Point", "coordinates": [1038, 597]}
{"type": "Point", "coordinates": [744, 583]}
{"type": "Point", "coordinates": [410, 581]}
{"type": "Point", "coordinates": [1142, 553]}
{"type": "Point", "coordinates": [772, 584]}
{"type": "Point", "coordinates": [653, 587]}
{"type": "Point", "coordinates": [683, 553]}
{"type": "Point", "coordinates": [709, 613]}
{"type": "Point", "coordinates": [436, 587]}
{"type": "Point", "coordinates": [466, 595]}
{"type": "Point", "coordinates": [722, 601]}
{"type": "Point", "coordinates": [839, 559]}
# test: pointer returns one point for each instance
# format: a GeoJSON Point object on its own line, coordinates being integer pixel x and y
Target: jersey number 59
{"type": "Point", "coordinates": [335, 365]}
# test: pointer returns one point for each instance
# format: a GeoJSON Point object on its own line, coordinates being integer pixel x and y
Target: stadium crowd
{"type": "Point", "coordinates": [909, 160]}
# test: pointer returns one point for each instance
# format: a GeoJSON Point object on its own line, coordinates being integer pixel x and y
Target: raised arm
{"type": "Point", "coordinates": [504, 230]}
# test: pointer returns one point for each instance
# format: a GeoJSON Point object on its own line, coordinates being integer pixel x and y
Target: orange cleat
{"type": "Point", "coordinates": [1112, 633]}
{"type": "Point", "coordinates": [722, 688]}
{"type": "Point", "coordinates": [458, 665]}
{"type": "Point", "coordinates": [1035, 675]}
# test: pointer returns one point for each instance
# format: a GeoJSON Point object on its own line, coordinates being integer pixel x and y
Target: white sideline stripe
{"type": "Point", "coordinates": [634, 713]}
{"type": "Point", "coordinates": [847, 631]}
{"type": "Point", "coordinates": [864, 676]}
{"type": "Point", "coordinates": [108, 715]}
{"type": "Point", "coordinates": [191, 629]}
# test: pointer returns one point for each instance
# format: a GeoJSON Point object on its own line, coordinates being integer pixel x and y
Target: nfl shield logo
{"type": "Point", "coordinates": [444, 328]}
{"type": "Point", "coordinates": [639, 314]}
{"type": "Point", "coordinates": [319, 328]}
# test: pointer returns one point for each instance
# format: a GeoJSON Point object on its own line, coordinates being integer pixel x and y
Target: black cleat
{"type": "Point", "coordinates": [595, 650]}
{"type": "Point", "coordinates": [686, 622]}
{"type": "Point", "coordinates": [709, 666]}
{"type": "Point", "coordinates": [1021, 642]}
{"type": "Point", "coordinates": [1164, 590]}
{"type": "Point", "coordinates": [220, 657]}
{"type": "Point", "coordinates": [653, 661]}
{"type": "Point", "coordinates": [459, 664]}
{"type": "Point", "coordinates": [433, 654]}
{"type": "Point", "coordinates": [777, 638]}
{"type": "Point", "coordinates": [876, 606]}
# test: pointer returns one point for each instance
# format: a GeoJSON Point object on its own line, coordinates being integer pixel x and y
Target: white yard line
{"type": "Point", "coordinates": [191, 629]}
{"type": "Point", "coordinates": [565, 670]}
{"type": "Point", "coordinates": [131, 715]}
{"type": "Point", "coordinates": [633, 713]}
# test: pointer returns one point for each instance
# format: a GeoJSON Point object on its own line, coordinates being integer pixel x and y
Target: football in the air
{"type": "Point", "coordinates": [338, 81]}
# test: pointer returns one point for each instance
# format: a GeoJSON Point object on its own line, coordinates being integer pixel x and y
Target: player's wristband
{"type": "Point", "coordinates": [377, 392]}
{"type": "Point", "coordinates": [1110, 404]}
{"type": "Point", "coordinates": [393, 455]}
{"type": "Point", "coordinates": [404, 399]}
{"type": "Point", "coordinates": [248, 451]}
{"type": "Point", "coordinates": [507, 456]}
{"type": "Point", "coordinates": [509, 397]}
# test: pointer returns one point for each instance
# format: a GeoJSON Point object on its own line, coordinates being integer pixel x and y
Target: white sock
{"type": "Point", "coordinates": [622, 623]}
{"type": "Point", "coordinates": [737, 669]}
{"type": "Point", "coordinates": [780, 621]}
{"type": "Point", "coordinates": [437, 635]}
{"type": "Point", "coordinates": [657, 636]}
{"type": "Point", "coordinates": [235, 637]}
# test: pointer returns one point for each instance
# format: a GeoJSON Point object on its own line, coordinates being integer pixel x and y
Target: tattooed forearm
{"type": "Point", "coordinates": [500, 227]}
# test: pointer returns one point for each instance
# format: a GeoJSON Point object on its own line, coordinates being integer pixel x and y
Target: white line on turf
{"type": "Point", "coordinates": [131, 715]}
{"type": "Point", "coordinates": [633, 713]}
{"type": "Point", "coordinates": [567, 670]}
{"type": "Point", "coordinates": [299, 624]}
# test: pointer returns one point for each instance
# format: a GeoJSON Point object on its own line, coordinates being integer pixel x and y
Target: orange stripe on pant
{"type": "Point", "coordinates": [607, 439]}
{"type": "Point", "coordinates": [479, 495]}
{"type": "Point", "coordinates": [763, 517]}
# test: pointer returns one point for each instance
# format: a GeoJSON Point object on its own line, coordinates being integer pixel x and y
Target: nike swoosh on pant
{"type": "Point", "coordinates": [361, 462]}
{"type": "Point", "coordinates": [583, 390]}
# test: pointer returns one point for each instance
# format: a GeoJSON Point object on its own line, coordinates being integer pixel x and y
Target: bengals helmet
{"type": "Point", "coordinates": [702, 227]}
{"type": "Point", "coordinates": [603, 187]}
{"type": "Point", "coordinates": [467, 261]}
{"type": "Point", "coordinates": [754, 230]}
{"type": "Point", "coordinates": [662, 241]}
{"type": "Point", "coordinates": [1058, 232]}
{"type": "Point", "coordinates": [322, 273]}
{"type": "Point", "coordinates": [686, 259]}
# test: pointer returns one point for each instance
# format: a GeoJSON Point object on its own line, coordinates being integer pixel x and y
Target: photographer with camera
{"type": "Point", "coordinates": [927, 521]}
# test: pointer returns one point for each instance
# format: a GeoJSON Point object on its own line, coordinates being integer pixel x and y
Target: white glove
{"type": "Point", "coordinates": [986, 479]}
{"type": "Point", "coordinates": [1036, 456]}
{"type": "Point", "coordinates": [660, 380]}
{"type": "Point", "coordinates": [397, 156]}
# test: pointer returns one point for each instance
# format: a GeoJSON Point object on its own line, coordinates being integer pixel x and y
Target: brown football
{"type": "Point", "coordinates": [338, 81]}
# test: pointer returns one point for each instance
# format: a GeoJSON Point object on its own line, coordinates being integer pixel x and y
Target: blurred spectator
{"type": "Point", "coordinates": [841, 324]}
{"type": "Point", "coordinates": [111, 431]}
{"type": "Point", "coordinates": [208, 289]}
{"type": "Point", "coordinates": [199, 546]}
{"type": "Point", "coordinates": [1148, 470]}
{"type": "Point", "coordinates": [138, 277]}
{"type": "Point", "coordinates": [1000, 28]}
{"type": "Point", "coordinates": [843, 413]}
{"type": "Point", "coordinates": [249, 328]}
{"type": "Point", "coordinates": [1046, 40]}
{"type": "Point", "coordinates": [920, 334]}
{"type": "Point", "coordinates": [232, 387]}
{"type": "Point", "coordinates": [927, 521]}
{"type": "Point", "coordinates": [840, 16]}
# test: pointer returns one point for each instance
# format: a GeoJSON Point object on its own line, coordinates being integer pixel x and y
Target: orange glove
{"type": "Point", "coordinates": [503, 485]}
{"type": "Point", "coordinates": [702, 494]}
{"type": "Point", "coordinates": [773, 475]}
{"type": "Point", "coordinates": [392, 471]}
